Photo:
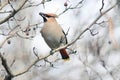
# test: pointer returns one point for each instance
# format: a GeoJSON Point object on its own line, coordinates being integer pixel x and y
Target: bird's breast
{"type": "Point", "coordinates": [52, 34]}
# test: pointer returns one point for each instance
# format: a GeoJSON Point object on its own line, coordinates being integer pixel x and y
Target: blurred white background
{"type": "Point", "coordinates": [97, 57]}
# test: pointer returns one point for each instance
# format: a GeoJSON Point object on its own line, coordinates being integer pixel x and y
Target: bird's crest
{"type": "Point", "coordinates": [51, 15]}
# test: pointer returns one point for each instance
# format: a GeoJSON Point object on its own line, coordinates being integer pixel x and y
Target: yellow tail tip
{"type": "Point", "coordinates": [66, 59]}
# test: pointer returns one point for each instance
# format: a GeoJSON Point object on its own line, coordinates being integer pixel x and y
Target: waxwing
{"type": "Point", "coordinates": [53, 34]}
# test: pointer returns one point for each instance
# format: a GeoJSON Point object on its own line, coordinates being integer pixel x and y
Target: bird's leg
{"type": "Point", "coordinates": [51, 53]}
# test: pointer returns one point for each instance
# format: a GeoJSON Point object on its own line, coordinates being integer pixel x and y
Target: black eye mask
{"type": "Point", "coordinates": [45, 16]}
{"type": "Point", "coordinates": [48, 16]}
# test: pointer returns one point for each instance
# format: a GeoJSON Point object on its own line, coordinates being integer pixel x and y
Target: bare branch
{"type": "Point", "coordinates": [67, 31]}
{"type": "Point", "coordinates": [15, 31]}
{"type": "Point", "coordinates": [91, 32]}
{"type": "Point", "coordinates": [31, 65]}
{"type": "Point", "coordinates": [5, 65]}
{"type": "Point", "coordinates": [11, 5]}
{"type": "Point", "coordinates": [101, 23]}
{"type": "Point", "coordinates": [10, 35]}
{"type": "Point", "coordinates": [35, 52]}
{"type": "Point", "coordinates": [88, 66]}
{"type": "Point", "coordinates": [102, 6]}
{"type": "Point", "coordinates": [105, 66]}
{"type": "Point", "coordinates": [51, 64]}
{"type": "Point", "coordinates": [13, 13]}
{"type": "Point", "coordinates": [35, 5]}
{"type": "Point", "coordinates": [12, 63]}
{"type": "Point", "coordinates": [70, 7]}
{"type": "Point", "coordinates": [5, 12]}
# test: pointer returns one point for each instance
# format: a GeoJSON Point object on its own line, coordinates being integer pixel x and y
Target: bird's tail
{"type": "Point", "coordinates": [64, 54]}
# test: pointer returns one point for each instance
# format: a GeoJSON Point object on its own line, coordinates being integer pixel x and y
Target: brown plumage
{"type": "Point", "coordinates": [53, 34]}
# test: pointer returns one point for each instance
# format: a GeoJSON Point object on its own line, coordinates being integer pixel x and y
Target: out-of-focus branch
{"type": "Point", "coordinates": [9, 35]}
{"type": "Point", "coordinates": [101, 23]}
{"type": "Point", "coordinates": [13, 13]}
{"type": "Point", "coordinates": [3, 4]}
{"type": "Point", "coordinates": [0, 2]}
{"type": "Point", "coordinates": [15, 31]}
{"type": "Point", "coordinates": [35, 5]}
{"type": "Point", "coordinates": [92, 32]}
{"type": "Point", "coordinates": [105, 66]}
{"type": "Point", "coordinates": [7, 68]}
{"type": "Point", "coordinates": [27, 30]}
{"type": "Point", "coordinates": [5, 12]}
{"type": "Point", "coordinates": [11, 5]}
{"type": "Point", "coordinates": [90, 67]}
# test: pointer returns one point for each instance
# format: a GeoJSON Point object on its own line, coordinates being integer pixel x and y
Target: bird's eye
{"type": "Point", "coordinates": [48, 16]}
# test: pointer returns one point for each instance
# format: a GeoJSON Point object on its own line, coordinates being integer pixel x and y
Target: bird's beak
{"type": "Point", "coordinates": [42, 14]}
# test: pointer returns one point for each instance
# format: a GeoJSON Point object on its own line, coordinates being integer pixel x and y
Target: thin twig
{"type": "Point", "coordinates": [67, 31]}
{"type": "Point", "coordinates": [91, 32]}
{"type": "Point", "coordinates": [13, 13]}
{"type": "Point", "coordinates": [14, 32]}
{"type": "Point", "coordinates": [102, 7]}
{"type": "Point", "coordinates": [11, 5]}
{"type": "Point", "coordinates": [7, 68]}
{"type": "Point", "coordinates": [5, 12]}
{"type": "Point", "coordinates": [70, 7]}
{"type": "Point", "coordinates": [35, 5]}
{"type": "Point", "coordinates": [105, 66]}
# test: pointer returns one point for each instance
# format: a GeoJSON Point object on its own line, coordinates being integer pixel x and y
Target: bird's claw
{"type": "Point", "coordinates": [51, 53]}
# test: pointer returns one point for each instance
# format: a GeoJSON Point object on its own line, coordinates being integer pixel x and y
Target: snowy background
{"type": "Point", "coordinates": [97, 57]}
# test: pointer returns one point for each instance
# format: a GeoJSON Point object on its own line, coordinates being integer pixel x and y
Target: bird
{"type": "Point", "coordinates": [53, 33]}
